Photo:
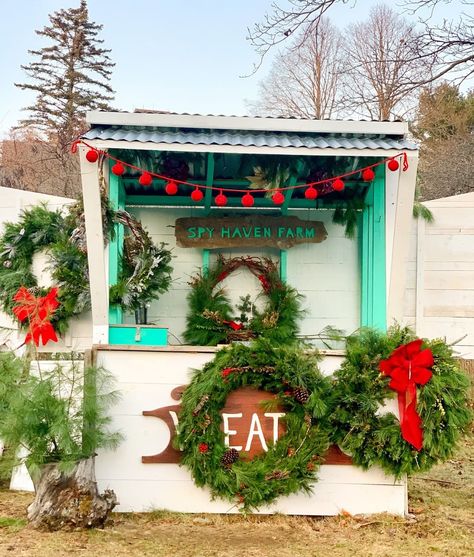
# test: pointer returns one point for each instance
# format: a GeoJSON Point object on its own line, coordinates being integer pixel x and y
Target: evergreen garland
{"type": "Point", "coordinates": [210, 321]}
{"type": "Point", "coordinates": [374, 438]}
{"type": "Point", "coordinates": [291, 464]}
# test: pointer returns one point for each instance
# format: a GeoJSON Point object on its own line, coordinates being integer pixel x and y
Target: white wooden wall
{"type": "Point", "coordinates": [146, 379]}
{"type": "Point", "coordinates": [79, 336]}
{"type": "Point", "coordinates": [439, 300]}
{"type": "Point", "coordinates": [330, 282]}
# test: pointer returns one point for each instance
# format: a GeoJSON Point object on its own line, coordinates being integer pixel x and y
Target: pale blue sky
{"type": "Point", "coordinates": [178, 55]}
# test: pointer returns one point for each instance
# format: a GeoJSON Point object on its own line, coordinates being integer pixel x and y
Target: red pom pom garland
{"type": "Point", "coordinates": [368, 175]}
{"type": "Point", "coordinates": [171, 188]}
{"type": "Point", "coordinates": [311, 193]}
{"type": "Point", "coordinates": [338, 185]}
{"type": "Point", "coordinates": [221, 199]}
{"type": "Point", "coordinates": [92, 155]}
{"type": "Point", "coordinates": [145, 179]}
{"type": "Point", "coordinates": [278, 198]}
{"type": "Point", "coordinates": [393, 165]}
{"type": "Point", "coordinates": [197, 195]}
{"type": "Point", "coordinates": [118, 169]}
{"type": "Point", "coordinates": [248, 200]}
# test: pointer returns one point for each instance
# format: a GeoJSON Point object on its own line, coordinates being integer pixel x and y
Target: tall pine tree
{"type": "Point", "coordinates": [71, 75]}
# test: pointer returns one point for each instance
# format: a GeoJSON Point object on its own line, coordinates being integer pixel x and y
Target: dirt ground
{"type": "Point", "coordinates": [441, 524]}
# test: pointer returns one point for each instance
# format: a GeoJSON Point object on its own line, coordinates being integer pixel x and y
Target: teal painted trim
{"type": "Point", "coordinates": [206, 256]}
{"type": "Point", "coordinates": [283, 265]}
{"type": "Point", "coordinates": [117, 200]}
{"type": "Point", "coordinates": [138, 335]}
{"type": "Point", "coordinates": [379, 284]}
{"type": "Point", "coordinates": [373, 311]}
{"type": "Point", "coordinates": [217, 183]}
{"type": "Point", "coordinates": [209, 181]}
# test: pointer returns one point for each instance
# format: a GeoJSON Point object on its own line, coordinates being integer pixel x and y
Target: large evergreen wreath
{"type": "Point", "coordinates": [145, 272]}
{"type": "Point", "coordinates": [210, 319]}
{"type": "Point", "coordinates": [291, 464]}
{"type": "Point", "coordinates": [373, 437]}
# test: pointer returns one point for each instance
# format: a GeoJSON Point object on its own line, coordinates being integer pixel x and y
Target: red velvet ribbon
{"type": "Point", "coordinates": [409, 366]}
{"type": "Point", "coordinates": [234, 325]}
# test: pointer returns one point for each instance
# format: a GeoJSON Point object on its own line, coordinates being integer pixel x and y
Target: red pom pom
{"type": "Point", "coordinates": [118, 169]}
{"type": "Point", "coordinates": [393, 165]}
{"type": "Point", "coordinates": [145, 179]}
{"type": "Point", "coordinates": [171, 188]}
{"type": "Point", "coordinates": [368, 175]}
{"type": "Point", "coordinates": [197, 195]}
{"type": "Point", "coordinates": [203, 447]}
{"type": "Point", "coordinates": [92, 155]}
{"type": "Point", "coordinates": [278, 198]}
{"type": "Point", "coordinates": [338, 185]}
{"type": "Point", "coordinates": [220, 200]}
{"type": "Point", "coordinates": [248, 200]}
{"type": "Point", "coordinates": [311, 193]}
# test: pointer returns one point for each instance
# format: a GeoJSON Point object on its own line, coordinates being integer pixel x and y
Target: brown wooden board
{"type": "Point", "coordinates": [248, 402]}
{"type": "Point", "coordinates": [247, 231]}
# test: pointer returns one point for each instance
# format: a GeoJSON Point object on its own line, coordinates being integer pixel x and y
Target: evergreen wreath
{"type": "Point", "coordinates": [210, 320]}
{"type": "Point", "coordinates": [291, 464]}
{"type": "Point", "coordinates": [145, 272]}
{"type": "Point", "coordinates": [360, 389]}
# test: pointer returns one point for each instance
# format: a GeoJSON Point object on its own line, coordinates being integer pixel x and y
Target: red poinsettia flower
{"type": "Point", "coordinates": [409, 366]}
{"type": "Point", "coordinates": [38, 312]}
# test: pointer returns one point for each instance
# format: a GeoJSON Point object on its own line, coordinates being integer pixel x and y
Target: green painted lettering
{"type": "Point", "coordinates": [267, 232]}
{"type": "Point", "coordinates": [289, 233]}
{"type": "Point", "coordinates": [247, 231]}
{"type": "Point", "coordinates": [225, 232]}
{"type": "Point", "coordinates": [210, 231]}
{"type": "Point", "coordinates": [236, 233]}
{"type": "Point", "coordinates": [257, 232]}
{"type": "Point", "coordinates": [299, 232]}
{"type": "Point", "coordinates": [191, 232]}
{"type": "Point", "coordinates": [309, 233]}
{"type": "Point", "coordinates": [281, 231]}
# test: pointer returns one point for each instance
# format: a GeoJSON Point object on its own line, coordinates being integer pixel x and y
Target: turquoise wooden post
{"type": "Point", "coordinates": [373, 255]}
{"type": "Point", "coordinates": [117, 200]}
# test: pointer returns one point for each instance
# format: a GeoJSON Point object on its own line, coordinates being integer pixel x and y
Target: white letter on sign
{"type": "Point", "coordinates": [255, 429]}
{"type": "Point", "coordinates": [228, 432]}
{"type": "Point", "coordinates": [275, 416]}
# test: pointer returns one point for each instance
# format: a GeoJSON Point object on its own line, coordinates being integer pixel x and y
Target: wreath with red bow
{"type": "Point", "coordinates": [432, 400]}
{"type": "Point", "coordinates": [211, 319]}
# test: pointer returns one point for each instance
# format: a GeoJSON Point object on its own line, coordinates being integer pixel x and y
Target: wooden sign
{"type": "Point", "coordinates": [246, 424]}
{"type": "Point", "coordinates": [247, 231]}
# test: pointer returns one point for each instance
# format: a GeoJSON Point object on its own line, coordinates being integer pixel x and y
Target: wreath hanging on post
{"type": "Point", "coordinates": [432, 393]}
{"type": "Point", "coordinates": [210, 320]}
{"type": "Point", "coordinates": [291, 464]}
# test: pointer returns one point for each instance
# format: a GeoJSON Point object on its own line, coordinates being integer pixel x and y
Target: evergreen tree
{"type": "Point", "coordinates": [71, 75]}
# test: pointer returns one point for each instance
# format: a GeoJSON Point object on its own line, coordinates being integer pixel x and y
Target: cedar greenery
{"type": "Point", "coordinates": [291, 464]}
{"type": "Point", "coordinates": [360, 390]}
{"type": "Point", "coordinates": [58, 415]}
{"type": "Point", "coordinates": [210, 308]}
{"type": "Point", "coordinates": [145, 273]}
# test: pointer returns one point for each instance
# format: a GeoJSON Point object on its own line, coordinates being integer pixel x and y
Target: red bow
{"type": "Point", "coordinates": [409, 366]}
{"type": "Point", "coordinates": [38, 311]}
{"type": "Point", "coordinates": [234, 325]}
{"type": "Point", "coordinates": [264, 282]}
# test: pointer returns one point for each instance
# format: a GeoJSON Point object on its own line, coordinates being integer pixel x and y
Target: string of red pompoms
{"type": "Point", "coordinates": [311, 192]}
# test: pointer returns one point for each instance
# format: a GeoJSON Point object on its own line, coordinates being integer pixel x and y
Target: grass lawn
{"type": "Point", "coordinates": [442, 523]}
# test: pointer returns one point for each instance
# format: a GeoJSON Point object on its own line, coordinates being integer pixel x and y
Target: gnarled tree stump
{"type": "Point", "coordinates": [67, 500]}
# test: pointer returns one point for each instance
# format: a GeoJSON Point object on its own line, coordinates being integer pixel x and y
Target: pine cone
{"type": "Point", "coordinates": [301, 395]}
{"type": "Point", "coordinates": [229, 457]}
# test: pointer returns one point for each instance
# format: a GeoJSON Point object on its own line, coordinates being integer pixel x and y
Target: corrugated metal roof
{"type": "Point", "coordinates": [244, 138]}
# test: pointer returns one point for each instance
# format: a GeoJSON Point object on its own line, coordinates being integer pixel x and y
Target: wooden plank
{"type": "Point", "coordinates": [420, 277]}
{"type": "Point", "coordinates": [248, 231]}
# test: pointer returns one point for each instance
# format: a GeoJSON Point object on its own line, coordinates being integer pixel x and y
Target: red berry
{"type": "Point", "coordinates": [171, 188]}
{"type": "Point", "coordinates": [338, 185]}
{"type": "Point", "coordinates": [197, 195]}
{"type": "Point", "coordinates": [248, 200]}
{"type": "Point", "coordinates": [278, 198]}
{"type": "Point", "coordinates": [311, 193]}
{"type": "Point", "coordinates": [145, 179]}
{"type": "Point", "coordinates": [393, 165]}
{"type": "Point", "coordinates": [118, 169]}
{"type": "Point", "coordinates": [368, 175]}
{"type": "Point", "coordinates": [203, 447]}
{"type": "Point", "coordinates": [92, 155]}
